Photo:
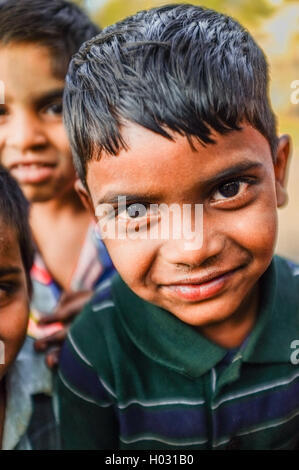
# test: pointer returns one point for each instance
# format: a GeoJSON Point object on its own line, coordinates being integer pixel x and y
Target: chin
{"type": "Point", "coordinates": [202, 319]}
{"type": "Point", "coordinates": [37, 195]}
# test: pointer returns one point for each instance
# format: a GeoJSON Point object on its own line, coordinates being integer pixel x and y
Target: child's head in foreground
{"type": "Point", "coordinates": [37, 41]}
{"type": "Point", "coordinates": [16, 256]}
{"type": "Point", "coordinates": [171, 106]}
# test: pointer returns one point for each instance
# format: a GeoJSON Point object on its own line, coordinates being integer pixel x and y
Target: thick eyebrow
{"type": "Point", "coordinates": [232, 171]}
{"type": "Point", "coordinates": [10, 270]}
{"type": "Point", "coordinates": [112, 198]}
{"type": "Point", "coordinates": [49, 97]}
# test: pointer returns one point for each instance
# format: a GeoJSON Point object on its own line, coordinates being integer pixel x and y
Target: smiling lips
{"type": "Point", "coordinates": [32, 172]}
{"type": "Point", "coordinates": [196, 290]}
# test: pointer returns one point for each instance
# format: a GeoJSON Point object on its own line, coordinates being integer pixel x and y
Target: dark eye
{"type": "Point", "coordinates": [54, 109]}
{"type": "Point", "coordinates": [136, 210]}
{"type": "Point", "coordinates": [234, 191]}
{"type": "Point", "coordinates": [229, 189]}
{"type": "Point", "coordinates": [3, 110]}
{"type": "Point", "coordinates": [7, 289]}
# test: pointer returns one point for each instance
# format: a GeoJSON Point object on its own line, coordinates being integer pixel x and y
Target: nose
{"type": "Point", "coordinates": [204, 249]}
{"type": "Point", "coordinates": [25, 132]}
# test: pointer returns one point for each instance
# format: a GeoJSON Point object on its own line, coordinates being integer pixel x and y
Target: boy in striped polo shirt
{"type": "Point", "coordinates": [194, 343]}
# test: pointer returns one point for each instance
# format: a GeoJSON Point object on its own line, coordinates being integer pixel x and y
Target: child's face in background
{"type": "Point", "coordinates": [14, 298]}
{"type": "Point", "coordinates": [239, 187]}
{"type": "Point", "coordinates": [33, 143]}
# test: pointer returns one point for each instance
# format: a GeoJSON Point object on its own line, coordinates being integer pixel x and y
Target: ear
{"type": "Point", "coordinates": [280, 169]}
{"type": "Point", "coordinates": [84, 196]}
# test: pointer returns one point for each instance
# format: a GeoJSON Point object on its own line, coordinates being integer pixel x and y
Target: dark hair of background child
{"type": "Point", "coordinates": [59, 25]}
{"type": "Point", "coordinates": [178, 67]}
{"type": "Point", "coordinates": [14, 211]}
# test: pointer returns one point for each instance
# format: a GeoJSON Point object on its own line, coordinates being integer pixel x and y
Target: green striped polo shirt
{"type": "Point", "coordinates": [134, 376]}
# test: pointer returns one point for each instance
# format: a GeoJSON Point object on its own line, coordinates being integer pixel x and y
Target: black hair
{"type": "Point", "coordinates": [59, 25]}
{"type": "Point", "coordinates": [14, 211]}
{"type": "Point", "coordinates": [179, 67]}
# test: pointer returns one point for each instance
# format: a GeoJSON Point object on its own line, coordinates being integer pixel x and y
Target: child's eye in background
{"type": "Point", "coordinates": [3, 111]}
{"type": "Point", "coordinates": [7, 289]}
{"type": "Point", "coordinates": [53, 109]}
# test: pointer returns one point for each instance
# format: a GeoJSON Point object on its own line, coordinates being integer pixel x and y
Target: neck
{"type": "Point", "coordinates": [232, 332]}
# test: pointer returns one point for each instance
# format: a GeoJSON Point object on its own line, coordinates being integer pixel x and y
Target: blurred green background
{"type": "Point", "coordinates": [275, 26]}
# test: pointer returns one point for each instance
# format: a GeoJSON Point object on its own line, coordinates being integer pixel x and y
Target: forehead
{"type": "Point", "coordinates": [27, 71]}
{"type": "Point", "coordinates": [157, 165]}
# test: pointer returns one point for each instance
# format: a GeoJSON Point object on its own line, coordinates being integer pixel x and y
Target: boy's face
{"type": "Point", "coordinates": [239, 189]}
{"type": "Point", "coordinates": [14, 300]}
{"type": "Point", "coordinates": [33, 143]}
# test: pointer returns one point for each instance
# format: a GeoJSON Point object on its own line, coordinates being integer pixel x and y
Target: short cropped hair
{"type": "Point", "coordinates": [14, 211]}
{"type": "Point", "coordinates": [179, 67]}
{"type": "Point", "coordinates": [59, 25]}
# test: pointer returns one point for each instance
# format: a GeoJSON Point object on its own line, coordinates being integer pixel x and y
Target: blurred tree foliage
{"type": "Point", "coordinates": [249, 12]}
{"type": "Point", "coordinates": [81, 3]}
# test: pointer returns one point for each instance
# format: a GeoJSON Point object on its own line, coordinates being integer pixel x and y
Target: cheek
{"type": "Point", "coordinates": [256, 230]}
{"type": "Point", "coordinates": [132, 259]}
{"type": "Point", "coordinates": [14, 320]}
{"type": "Point", "coordinates": [57, 135]}
{"type": "Point", "coordinates": [3, 138]}
{"type": "Point", "coordinates": [67, 168]}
